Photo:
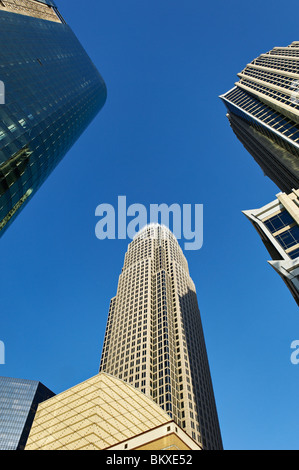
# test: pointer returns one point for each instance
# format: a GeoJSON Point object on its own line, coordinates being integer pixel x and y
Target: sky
{"type": "Point", "coordinates": [162, 137]}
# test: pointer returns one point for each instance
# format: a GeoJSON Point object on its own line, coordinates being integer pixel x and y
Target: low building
{"type": "Point", "coordinates": [105, 413]}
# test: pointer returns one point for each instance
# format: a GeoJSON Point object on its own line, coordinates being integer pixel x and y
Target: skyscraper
{"type": "Point", "coordinates": [154, 338]}
{"type": "Point", "coordinates": [19, 399]}
{"type": "Point", "coordinates": [278, 226]}
{"type": "Point", "coordinates": [51, 92]}
{"type": "Point", "coordinates": [263, 111]}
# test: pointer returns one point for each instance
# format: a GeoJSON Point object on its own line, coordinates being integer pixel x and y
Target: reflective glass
{"type": "Point", "coordinates": [18, 402]}
{"type": "Point", "coordinates": [279, 221]}
{"type": "Point", "coordinates": [52, 93]}
{"type": "Point", "coordinates": [289, 237]}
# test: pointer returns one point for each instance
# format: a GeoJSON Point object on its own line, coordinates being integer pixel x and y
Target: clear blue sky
{"type": "Point", "coordinates": [162, 137]}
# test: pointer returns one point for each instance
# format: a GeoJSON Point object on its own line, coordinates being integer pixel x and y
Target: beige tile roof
{"type": "Point", "coordinates": [95, 414]}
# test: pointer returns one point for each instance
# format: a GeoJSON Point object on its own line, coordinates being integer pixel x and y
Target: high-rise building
{"type": "Point", "coordinates": [278, 226]}
{"type": "Point", "coordinates": [19, 399]}
{"type": "Point", "coordinates": [154, 338]}
{"type": "Point", "coordinates": [263, 111]}
{"type": "Point", "coordinates": [51, 92]}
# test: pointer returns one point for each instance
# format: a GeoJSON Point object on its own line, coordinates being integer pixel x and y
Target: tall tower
{"type": "Point", "coordinates": [50, 91]}
{"type": "Point", "coordinates": [154, 338]}
{"type": "Point", "coordinates": [263, 111]}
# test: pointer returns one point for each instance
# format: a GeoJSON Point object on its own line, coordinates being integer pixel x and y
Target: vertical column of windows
{"type": "Point", "coordinates": [131, 327]}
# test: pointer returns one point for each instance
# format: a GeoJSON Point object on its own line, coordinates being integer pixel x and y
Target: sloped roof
{"type": "Point", "coordinates": [98, 413]}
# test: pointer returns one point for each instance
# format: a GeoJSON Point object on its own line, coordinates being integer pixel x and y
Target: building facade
{"type": "Point", "coordinates": [263, 111]}
{"type": "Point", "coordinates": [19, 399]}
{"type": "Point", "coordinates": [51, 91]}
{"type": "Point", "coordinates": [278, 226]}
{"type": "Point", "coordinates": [154, 338]}
{"type": "Point", "coordinates": [105, 413]}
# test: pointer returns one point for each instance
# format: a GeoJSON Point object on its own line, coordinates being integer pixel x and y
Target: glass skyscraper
{"type": "Point", "coordinates": [263, 111]}
{"type": "Point", "coordinates": [19, 399]}
{"type": "Point", "coordinates": [51, 92]}
{"type": "Point", "coordinates": [154, 338]}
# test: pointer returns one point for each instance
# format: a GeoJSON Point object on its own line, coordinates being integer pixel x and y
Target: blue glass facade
{"type": "Point", "coordinates": [279, 221]}
{"type": "Point", "coordinates": [289, 237]}
{"type": "Point", "coordinates": [52, 93]}
{"type": "Point", "coordinates": [19, 399]}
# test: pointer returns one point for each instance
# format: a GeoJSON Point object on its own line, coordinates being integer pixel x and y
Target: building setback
{"type": "Point", "coordinates": [263, 111]}
{"type": "Point", "coordinates": [154, 338]}
{"type": "Point", "coordinates": [50, 90]}
{"type": "Point", "coordinates": [278, 226]}
{"type": "Point", "coordinates": [19, 399]}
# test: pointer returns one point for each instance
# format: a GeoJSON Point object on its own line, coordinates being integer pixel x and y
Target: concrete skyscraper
{"type": "Point", "coordinates": [50, 91]}
{"type": "Point", "coordinates": [154, 338]}
{"type": "Point", "coordinates": [153, 390]}
{"type": "Point", "coordinates": [263, 111]}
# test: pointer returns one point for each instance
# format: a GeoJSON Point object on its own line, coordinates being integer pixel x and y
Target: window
{"type": "Point", "coordinates": [294, 254]}
{"type": "Point", "coordinates": [279, 221]}
{"type": "Point", "coordinates": [13, 169]}
{"type": "Point", "coordinates": [289, 238]}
